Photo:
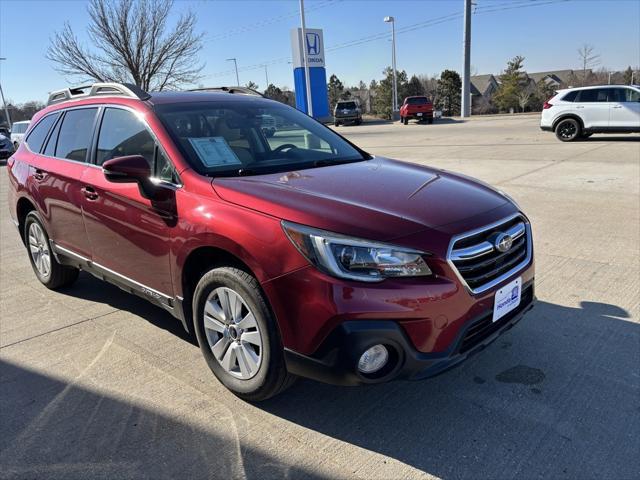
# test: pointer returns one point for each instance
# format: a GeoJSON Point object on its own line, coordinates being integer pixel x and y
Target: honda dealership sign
{"type": "Point", "coordinates": [314, 45]}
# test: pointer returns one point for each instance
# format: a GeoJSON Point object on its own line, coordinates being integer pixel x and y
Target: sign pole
{"type": "Point", "coordinates": [307, 76]}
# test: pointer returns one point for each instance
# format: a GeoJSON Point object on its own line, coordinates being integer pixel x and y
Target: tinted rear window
{"type": "Point", "coordinates": [37, 136]}
{"type": "Point", "coordinates": [571, 96]}
{"type": "Point", "coordinates": [418, 101]}
{"type": "Point", "coordinates": [349, 105]}
{"type": "Point", "coordinates": [75, 134]}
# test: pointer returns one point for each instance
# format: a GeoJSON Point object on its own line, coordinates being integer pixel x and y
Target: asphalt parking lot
{"type": "Point", "coordinates": [95, 383]}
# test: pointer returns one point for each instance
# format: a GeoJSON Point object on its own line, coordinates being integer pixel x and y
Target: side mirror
{"type": "Point", "coordinates": [130, 169]}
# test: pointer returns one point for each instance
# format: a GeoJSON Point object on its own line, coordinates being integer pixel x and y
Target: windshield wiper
{"type": "Point", "coordinates": [337, 161]}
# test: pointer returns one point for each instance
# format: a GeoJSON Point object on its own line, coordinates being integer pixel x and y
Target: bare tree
{"type": "Point", "coordinates": [524, 96]}
{"type": "Point", "coordinates": [131, 43]}
{"type": "Point", "coordinates": [588, 60]}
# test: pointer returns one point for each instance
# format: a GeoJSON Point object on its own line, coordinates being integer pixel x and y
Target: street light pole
{"type": "Point", "coordinates": [235, 62]}
{"type": "Point", "coordinates": [307, 76]}
{"type": "Point", "coordinates": [465, 109]}
{"type": "Point", "coordinates": [394, 100]}
{"type": "Point", "coordinates": [266, 76]}
{"type": "Point", "coordinates": [6, 110]}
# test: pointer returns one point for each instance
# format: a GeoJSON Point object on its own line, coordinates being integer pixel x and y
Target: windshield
{"type": "Point", "coordinates": [251, 138]}
{"type": "Point", "coordinates": [417, 101]}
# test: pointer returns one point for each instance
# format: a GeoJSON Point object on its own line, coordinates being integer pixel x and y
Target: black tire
{"type": "Point", "coordinates": [568, 130]}
{"type": "Point", "coordinates": [59, 275]}
{"type": "Point", "coordinates": [406, 121]}
{"type": "Point", "coordinates": [272, 376]}
{"type": "Point", "coordinates": [336, 124]}
{"type": "Point", "coordinates": [430, 121]}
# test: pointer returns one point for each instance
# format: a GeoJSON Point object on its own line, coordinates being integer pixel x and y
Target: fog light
{"type": "Point", "coordinates": [373, 359]}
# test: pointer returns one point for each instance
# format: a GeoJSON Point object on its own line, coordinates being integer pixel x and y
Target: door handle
{"type": "Point", "coordinates": [89, 193]}
{"type": "Point", "coordinates": [39, 175]}
{"type": "Point", "coordinates": [579, 106]}
{"type": "Point", "coordinates": [617, 106]}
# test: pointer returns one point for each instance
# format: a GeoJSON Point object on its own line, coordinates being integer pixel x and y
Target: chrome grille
{"type": "Point", "coordinates": [478, 261]}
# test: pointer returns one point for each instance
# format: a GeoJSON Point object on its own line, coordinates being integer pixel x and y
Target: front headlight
{"type": "Point", "coordinates": [355, 259]}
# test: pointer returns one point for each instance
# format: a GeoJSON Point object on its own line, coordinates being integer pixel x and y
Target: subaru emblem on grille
{"type": "Point", "coordinates": [503, 242]}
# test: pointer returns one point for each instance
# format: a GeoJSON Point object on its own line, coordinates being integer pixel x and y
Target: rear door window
{"type": "Point", "coordinates": [75, 134]}
{"type": "Point", "coordinates": [593, 95]}
{"type": "Point", "coordinates": [37, 136]}
{"type": "Point", "coordinates": [571, 96]}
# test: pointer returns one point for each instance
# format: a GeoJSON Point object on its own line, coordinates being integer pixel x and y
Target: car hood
{"type": "Point", "coordinates": [380, 199]}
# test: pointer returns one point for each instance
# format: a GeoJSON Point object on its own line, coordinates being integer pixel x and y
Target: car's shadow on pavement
{"type": "Point", "coordinates": [557, 396]}
{"type": "Point", "coordinates": [92, 289]}
{"type": "Point", "coordinates": [622, 138]}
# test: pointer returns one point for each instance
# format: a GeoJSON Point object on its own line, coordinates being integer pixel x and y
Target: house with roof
{"type": "Point", "coordinates": [482, 89]}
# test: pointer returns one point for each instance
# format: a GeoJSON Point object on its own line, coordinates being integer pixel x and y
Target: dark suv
{"type": "Point", "coordinates": [286, 255]}
{"type": "Point", "coordinates": [347, 111]}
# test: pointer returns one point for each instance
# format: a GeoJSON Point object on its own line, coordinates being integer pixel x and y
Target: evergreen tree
{"type": "Point", "coordinates": [449, 92]}
{"type": "Point", "coordinates": [513, 84]}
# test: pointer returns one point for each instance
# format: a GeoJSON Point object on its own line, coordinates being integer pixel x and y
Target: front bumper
{"type": "Point", "coordinates": [336, 360]}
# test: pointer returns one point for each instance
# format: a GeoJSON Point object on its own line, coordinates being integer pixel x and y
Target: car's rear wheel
{"type": "Point", "coordinates": [568, 130]}
{"type": "Point", "coordinates": [336, 124]}
{"type": "Point", "coordinates": [238, 335]}
{"type": "Point", "coordinates": [51, 274]}
{"type": "Point", "coordinates": [406, 121]}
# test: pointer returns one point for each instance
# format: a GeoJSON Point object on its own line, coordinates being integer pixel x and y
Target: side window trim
{"type": "Point", "coordinates": [157, 145]}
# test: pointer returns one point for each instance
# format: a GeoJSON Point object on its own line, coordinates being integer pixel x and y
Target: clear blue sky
{"type": "Point", "coordinates": [547, 35]}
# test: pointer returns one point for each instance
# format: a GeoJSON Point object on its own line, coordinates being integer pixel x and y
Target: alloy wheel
{"type": "Point", "coordinates": [567, 130]}
{"type": "Point", "coordinates": [39, 249]}
{"type": "Point", "coordinates": [233, 333]}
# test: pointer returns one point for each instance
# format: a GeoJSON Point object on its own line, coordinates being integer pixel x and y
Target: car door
{"type": "Point", "coordinates": [130, 235]}
{"type": "Point", "coordinates": [57, 171]}
{"type": "Point", "coordinates": [592, 104]}
{"type": "Point", "coordinates": [625, 109]}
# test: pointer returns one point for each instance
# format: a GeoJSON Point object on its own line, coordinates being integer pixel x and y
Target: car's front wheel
{"type": "Point", "coordinates": [406, 121]}
{"type": "Point", "coordinates": [568, 130]}
{"type": "Point", "coordinates": [238, 334]}
{"type": "Point", "coordinates": [51, 274]}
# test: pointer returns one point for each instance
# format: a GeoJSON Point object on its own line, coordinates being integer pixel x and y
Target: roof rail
{"type": "Point", "coordinates": [242, 90]}
{"type": "Point", "coordinates": [97, 89]}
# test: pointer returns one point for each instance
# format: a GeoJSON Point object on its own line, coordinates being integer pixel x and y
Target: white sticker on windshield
{"type": "Point", "coordinates": [214, 151]}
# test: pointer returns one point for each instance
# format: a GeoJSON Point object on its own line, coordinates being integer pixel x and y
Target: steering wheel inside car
{"type": "Point", "coordinates": [284, 146]}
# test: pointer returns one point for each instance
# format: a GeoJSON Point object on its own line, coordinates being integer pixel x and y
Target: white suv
{"type": "Point", "coordinates": [18, 129]}
{"type": "Point", "coordinates": [579, 112]}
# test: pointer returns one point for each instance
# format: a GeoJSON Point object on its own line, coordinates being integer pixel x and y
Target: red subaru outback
{"type": "Point", "coordinates": [292, 254]}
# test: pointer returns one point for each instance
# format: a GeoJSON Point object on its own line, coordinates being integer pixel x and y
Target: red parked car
{"type": "Point", "coordinates": [292, 254]}
{"type": "Point", "coordinates": [417, 108]}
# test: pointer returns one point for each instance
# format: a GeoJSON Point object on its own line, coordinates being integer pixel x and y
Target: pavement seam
{"type": "Point", "coordinates": [58, 329]}
{"type": "Point", "coordinates": [535, 170]}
